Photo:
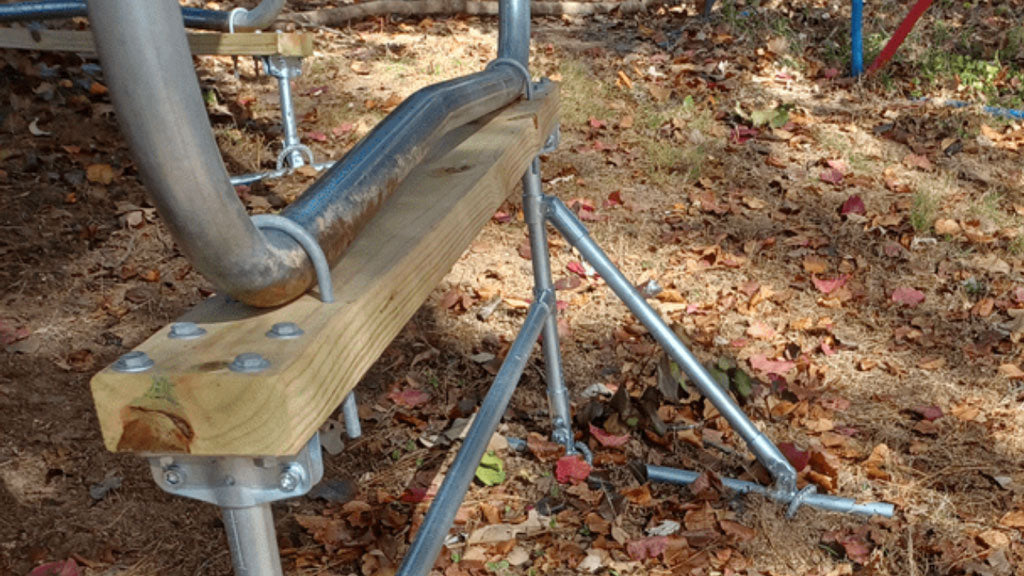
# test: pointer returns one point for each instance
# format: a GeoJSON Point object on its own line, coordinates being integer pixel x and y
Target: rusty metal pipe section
{"type": "Point", "coordinates": [156, 95]}
{"type": "Point", "coordinates": [257, 18]}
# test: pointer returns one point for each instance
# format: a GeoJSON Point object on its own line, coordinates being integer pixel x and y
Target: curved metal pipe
{"type": "Point", "coordinates": [148, 67]}
{"type": "Point", "coordinates": [262, 16]}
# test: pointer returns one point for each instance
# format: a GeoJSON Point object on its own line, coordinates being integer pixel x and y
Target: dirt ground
{"type": "Point", "coordinates": [847, 256]}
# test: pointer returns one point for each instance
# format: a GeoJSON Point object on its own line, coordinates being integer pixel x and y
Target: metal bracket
{"type": "Point", "coordinates": [282, 66]}
{"type": "Point", "coordinates": [553, 140]}
{"type": "Point", "coordinates": [518, 66]}
{"type": "Point", "coordinates": [231, 18]}
{"type": "Point", "coordinates": [238, 482]}
{"type": "Point", "coordinates": [308, 243]}
{"type": "Point", "coordinates": [287, 152]}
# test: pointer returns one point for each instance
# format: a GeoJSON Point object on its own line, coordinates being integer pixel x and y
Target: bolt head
{"type": "Point", "coordinates": [288, 482]}
{"type": "Point", "coordinates": [186, 331]}
{"type": "Point", "coordinates": [291, 478]}
{"type": "Point", "coordinates": [174, 476]}
{"type": "Point", "coordinates": [248, 363]}
{"type": "Point", "coordinates": [285, 331]}
{"type": "Point", "coordinates": [134, 361]}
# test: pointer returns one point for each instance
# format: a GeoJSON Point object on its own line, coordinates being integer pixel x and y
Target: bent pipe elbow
{"type": "Point", "coordinates": [156, 95]}
{"type": "Point", "coordinates": [257, 18]}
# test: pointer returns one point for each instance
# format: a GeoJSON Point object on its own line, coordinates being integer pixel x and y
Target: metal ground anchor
{"type": "Point", "coordinates": [285, 68]}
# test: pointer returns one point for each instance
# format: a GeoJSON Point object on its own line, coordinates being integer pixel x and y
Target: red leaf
{"type": "Point", "coordinates": [761, 363]}
{"type": "Point", "coordinates": [343, 128]}
{"type": "Point", "coordinates": [595, 123]}
{"type": "Point", "coordinates": [317, 136]}
{"type": "Point", "coordinates": [414, 494]}
{"type": "Point", "coordinates": [408, 397]}
{"type": "Point", "coordinates": [856, 548]}
{"type": "Point", "coordinates": [502, 217]}
{"type": "Point", "coordinates": [830, 73]}
{"type": "Point", "coordinates": [826, 348]}
{"type": "Point", "coordinates": [9, 335]}
{"type": "Point", "coordinates": [929, 413]}
{"type": "Point", "coordinates": [853, 205]}
{"type": "Point", "coordinates": [839, 165]}
{"type": "Point", "coordinates": [650, 547]}
{"type": "Point", "coordinates": [608, 440]}
{"type": "Point", "coordinates": [832, 176]}
{"type": "Point", "coordinates": [741, 134]}
{"type": "Point", "coordinates": [63, 568]}
{"type": "Point", "coordinates": [907, 296]}
{"type": "Point", "coordinates": [829, 286]}
{"type": "Point", "coordinates": [571, 470]}
{"type": "Point", "coordinates": [797, 457]}
{"type": "Point", "coordinates": [577, 269]}
{"type": "Point", "coordinates": [614, 199]}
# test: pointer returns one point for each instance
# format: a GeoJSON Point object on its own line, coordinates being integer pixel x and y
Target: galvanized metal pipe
{"type": "Point", "coordinates": [148, 67]}
{"type": "Point", "coordinates": [350, 192]}
{"type": "Point", "coordinates": [431, 534]}
{"type": "Point", "coordinates": [252, 540]}
{"type": "Point", "coordinates": [766, 452]}
{"type": "Point", "coordinates": [820, 501]}
{"type": "Point", "coordinates": [514, 31]}
{"type": "Point", "coordinates": [249, 178]}
{"type": "Point", "coordinates": [536, 225]}
{"type": "Point", "coordinates": [350, 408]}
{"type": "Point", "coordinates": [258, 18]}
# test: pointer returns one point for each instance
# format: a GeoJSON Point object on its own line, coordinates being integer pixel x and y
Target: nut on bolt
{"type": "Point", "coordinates": [291, 478]}
{"type": "Point", "coordinates": [174, 476]}
{"type": "Point", "coordinates": [186, 331]}
{"type": "Point", "coordinates": [248, 363]}
{"type": "Point", "coordinates": [285, 331]}
{"type": "Point", "coordinates": [134, 361]}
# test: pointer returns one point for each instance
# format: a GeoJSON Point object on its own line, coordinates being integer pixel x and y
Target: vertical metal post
{"type": "Point", "coordinates": [252, 541]}
{"type": "Point", "coordinates": [514, 30]}
{"type": "Point", "coordinates": [350, 408]}
{"type": "Point", "coordinates": [536, 225]}
{"type": "Point", "coordinates": [431, 534]}
{"type": "Point", "coordinates": [288, 125]}
{"type": "Point", "coordinates": [767, 453]}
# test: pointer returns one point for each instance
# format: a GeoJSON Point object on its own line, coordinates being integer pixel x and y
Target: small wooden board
{"type": "Point", "coordinates": [191, 402]}
{"type": "Point", "coordinates": [201, 43]}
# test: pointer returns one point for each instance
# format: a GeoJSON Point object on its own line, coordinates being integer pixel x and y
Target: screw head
{"type": "Point", "coordinates": [291, 478]}
{"type": "Point", "coordinates": [174, 476]}
{"type": "Point", "coordinates": [134, 361]}
{"type": "Point", "coordinates": [186, 331]}
{"type": "Point", "coordinates": [285, 331]}
{"type": "Point", "coordinates": [249, 363]}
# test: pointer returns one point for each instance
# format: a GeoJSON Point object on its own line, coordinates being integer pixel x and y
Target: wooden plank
{"type": "Point", "coordinates": [201, 43]}
{"type": "Point", "coordinates": [191, 402]}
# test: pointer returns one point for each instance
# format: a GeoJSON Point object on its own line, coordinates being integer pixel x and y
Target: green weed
{"type": "Point", "coordinates": [583, 95]}
{"type": "Point", "coordinates": [922, 211]}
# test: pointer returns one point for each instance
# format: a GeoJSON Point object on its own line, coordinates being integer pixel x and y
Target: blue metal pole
{"type": "Point", "coordinates": [857, 38]}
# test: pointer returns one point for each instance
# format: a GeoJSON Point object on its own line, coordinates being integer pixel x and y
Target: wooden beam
{"type": "Point", "coordinates": [201, 43]}
{"type": "Point", "coordinates": [191, 402]}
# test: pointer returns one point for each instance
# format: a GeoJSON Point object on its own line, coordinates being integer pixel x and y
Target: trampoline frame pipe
{"type": "Point", "coordinates": [766, 452]}
{"type": "Point", "coordinates": [820, 501]}
{"type": "Point", "coordinates": [156, 95]}
{"type": "Point", "coordinates": [258, 18]}
{"type": "Point", "coordinates": [430, 536]}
